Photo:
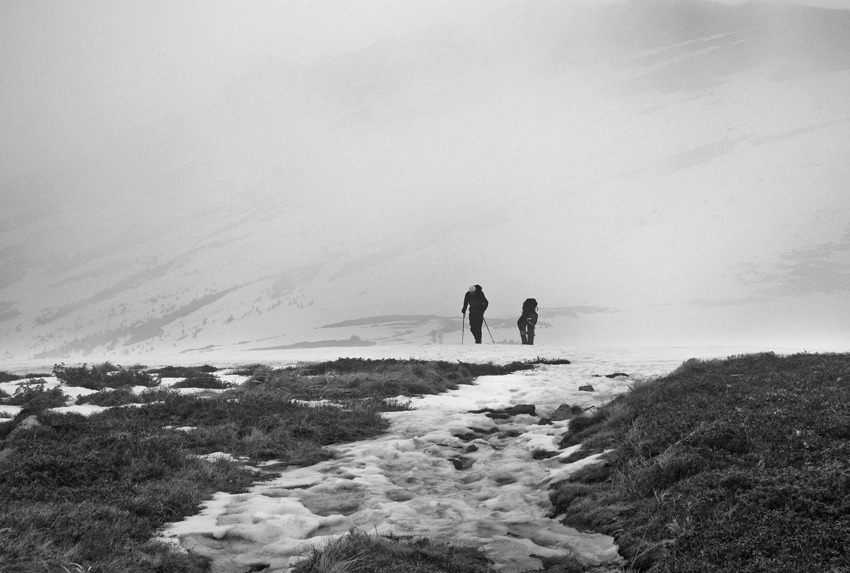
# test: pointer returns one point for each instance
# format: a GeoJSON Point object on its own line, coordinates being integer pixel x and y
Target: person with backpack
{"type": "Point", "coordinates": [527, 321]}
{"type": "Point", "coordinates": [477, 303]}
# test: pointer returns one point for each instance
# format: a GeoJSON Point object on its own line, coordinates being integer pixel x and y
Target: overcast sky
{"type": "Point", "coordinates": [76, 70]}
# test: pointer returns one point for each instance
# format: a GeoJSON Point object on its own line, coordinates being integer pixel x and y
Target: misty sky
{"type": "Point", "coordinates": [77, 71]}
{"type": "Point", "coordinates": [680, 167]}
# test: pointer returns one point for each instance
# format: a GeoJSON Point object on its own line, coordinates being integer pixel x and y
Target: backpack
{"type": "Point", "coordinates": [529, 305]}
{"type": "Point", "coordinates": [476, 300]}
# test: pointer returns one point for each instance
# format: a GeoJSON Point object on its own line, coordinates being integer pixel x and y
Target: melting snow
{"type": "Point", "coordinates": [440, 471]}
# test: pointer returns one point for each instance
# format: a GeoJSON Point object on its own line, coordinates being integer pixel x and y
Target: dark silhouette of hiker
{"type": "Point", "coordinates": [477, 303]}
{"type": "Point", "coordinates": [527, 321]}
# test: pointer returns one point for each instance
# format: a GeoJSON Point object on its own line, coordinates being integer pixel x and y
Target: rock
{"type": "Point", "coordinates": [509, 412]}
{"type": "Point", "coordinates": [475, 433]}
{"type": "Point", "coordinates": [27, 424]}
{"type": "Point", "coordinates": [586, 388]}
{"type": "Point", "coordinates": [400, 495]}
{"type": "Point", "coordinates": [5, 455]}
{"type": "Point", "coordinates": [617, 375]}
{"type": "Point", "coordinates": [462, 462]}
{"type": "Point", "coordinates": [503, 478]}
{"type": "Point", "coordinates": [522, 409]}
{"type": "Point", "coordinates": [562, 412]}
{"type": "Point", "coordinates": [543, 454]}
{"type": "Point", "coordinates": [492, 430]}
{"type": "Point", "coordinates": [471, 448]}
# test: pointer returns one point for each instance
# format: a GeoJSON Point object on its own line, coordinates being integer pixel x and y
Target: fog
{"type": "Point", "coordinates": [682, 164]}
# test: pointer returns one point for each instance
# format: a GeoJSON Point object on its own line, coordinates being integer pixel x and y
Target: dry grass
{"type": "Point", "coordinates": [732, 466]}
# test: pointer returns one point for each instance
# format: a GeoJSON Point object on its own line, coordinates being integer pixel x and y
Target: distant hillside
{"type": "Point", "coordinates": [652, 172]}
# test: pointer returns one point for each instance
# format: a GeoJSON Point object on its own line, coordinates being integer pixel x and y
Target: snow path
{"type": "Point", "coordinates": [439, 472]}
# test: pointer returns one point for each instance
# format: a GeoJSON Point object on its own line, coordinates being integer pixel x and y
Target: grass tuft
{"type": "Point", "coordinates": [35, 397]}
{"type": "Point", "coordinates": [109, 398]}
{"type": "Point", "coordinates": [245, 369]}
{"type": "Point", "coordinates": [88, 493]}
{"type": "Point", "coordinates": [8, 376]}
{"type": "Point", "coordinates": [359, 552]}
{"type": "Point", "coordinates": [737, 465]}
{"type": "Point", "coordinates": [102, 376]}
{"type": "Point", "coordinates": [182, 371]}
{"type": "Point", "coordinates": [359, 378]}
{"type": "Point", "coordinates": [202, 380]}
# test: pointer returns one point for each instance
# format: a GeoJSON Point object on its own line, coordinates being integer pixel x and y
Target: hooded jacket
{"type": "Point", "coordinates": [476, 301]}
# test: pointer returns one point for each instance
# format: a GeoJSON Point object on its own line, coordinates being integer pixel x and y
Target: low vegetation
{"type": "Point", "coordinates": [124, 396]}
{"type": "Point", "coordinates": [34, 395]}
{"type": "Point", "coordinates": [740, 465]}
{"type": "Point", "coordinates": [88, 493]}
{"type": "Point", "coordinates": [202, 380]}
{"type": "Point", "coordinates": [366, 553]}
{"type": "Point", "coordinates": [245, 369]}
{"type": "Point", "coordinates": [358, 378]}
{"type": "Point", "coordinates": [8, 376]}
{"type": "Point", "coordinates": [103, 376]}
{"type": "Point", "coordinates": [182, 371]}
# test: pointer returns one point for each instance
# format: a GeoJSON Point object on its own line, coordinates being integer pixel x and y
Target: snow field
{"type": "Point", "coordinates": [440, 472]}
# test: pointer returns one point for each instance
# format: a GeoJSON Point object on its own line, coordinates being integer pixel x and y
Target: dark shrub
{"type": "Point", "coordinates": [35, 398]}
{"type": "Point", "coordinates": [245, 370]}
{"type": "Point", "coordinates": [183, 371]}
{"type": "Point", "coordinates": [151, 395]}
{"type": "Point", "coordinates": [202, 380]}
{"type": "Point", "coordinates": [105, 367]}
{"type": "Point", "coordinates": [107, 398]}
{"type": "Point", "coordinates": [80, 376]}
{"type": "Point", "coordinates": [104, 376]}
{"type": "Point", "coordinates": [8, 376]}
{"type": "Point", "coordinates": [131, 377]}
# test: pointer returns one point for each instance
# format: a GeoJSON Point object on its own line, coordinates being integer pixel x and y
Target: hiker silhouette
{"type": "Point", "coordinates": [527, 321]}
{"type": "Point", "coordinates": [477, 303]}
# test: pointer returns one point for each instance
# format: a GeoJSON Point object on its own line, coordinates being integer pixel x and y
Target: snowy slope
{"type": "Point", "coordinates": [652, 172]}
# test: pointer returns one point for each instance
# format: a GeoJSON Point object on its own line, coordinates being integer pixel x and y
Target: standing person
{"type": "Point", "coordinates": [527, 321]}
{"type": "Point", "coordinates": [477, 303]}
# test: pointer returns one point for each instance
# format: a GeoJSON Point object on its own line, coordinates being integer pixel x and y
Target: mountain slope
{"type": "Point", "coordinates": [680, 164]}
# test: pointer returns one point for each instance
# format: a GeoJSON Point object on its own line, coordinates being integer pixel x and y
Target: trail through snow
{"type": "Point", "coordinates": [440, 471]}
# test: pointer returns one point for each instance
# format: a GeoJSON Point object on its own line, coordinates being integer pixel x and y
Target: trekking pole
{"type": "Point", "coordinates": [488, 330]}
{"type": "Point", "coordinates": [462, 327]}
